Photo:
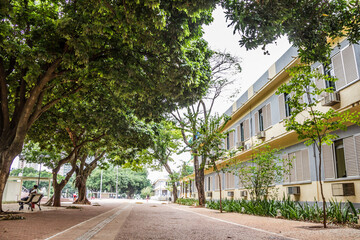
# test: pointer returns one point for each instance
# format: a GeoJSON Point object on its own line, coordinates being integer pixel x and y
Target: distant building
{"type": "Point", "coordinates": [65, 169]}
{"type": "Point", "coordinates": [161, 191]}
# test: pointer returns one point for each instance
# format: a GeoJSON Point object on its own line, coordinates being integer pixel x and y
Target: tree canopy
{"type": "Point", "coordinates": [130, 182]}
{"type": "Point", "coordinates": [148, 54]}
{"type": "Point", "coordinates": [307, 24]}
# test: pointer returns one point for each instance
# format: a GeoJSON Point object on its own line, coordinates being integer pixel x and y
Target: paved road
{"type": "Point", "coordinates": [158, 221]}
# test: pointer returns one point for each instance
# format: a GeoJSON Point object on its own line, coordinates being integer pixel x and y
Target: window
{"type": "Point", "coordinates": [228, 141]}
{"type": "Point", "coordinates": [242, 138]}
{"type": "Point", "coordinates": [287, 106]}
{"type": "Point", "coordinates": [342, 159]}
{"type": "Point", "coordinates": [300, 169]}
{"type": "Point", "coordinates": [329, 71]}
{"type": "Point", "coordinates": [261, 120]}
{"type": "Point", "coordinates": [243, 131]}
{"type": "Point", "coordinates": [209, 184]}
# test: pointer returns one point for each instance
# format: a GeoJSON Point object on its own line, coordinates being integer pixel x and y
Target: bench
{"type": "Point", "coordinates": [34, 199]}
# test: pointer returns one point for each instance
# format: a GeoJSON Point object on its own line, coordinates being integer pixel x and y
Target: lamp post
{"type": "Point", "coordinates": [39, 175]}
{"type": "Point", "coordinates": [101, 182]}
{"type": "Point", "coordinates": [117, 177]}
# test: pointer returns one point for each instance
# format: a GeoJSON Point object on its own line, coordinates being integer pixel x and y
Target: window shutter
{"type": "Point", "coordinates": [305, 164]}
{"type": "Point", "coordinates": [232, 182]}
{"type": "Point", "coordinates": [292, 169]}
{"type": "Point", "coordinates": [206, 183]}
{"type": "Point", "coordinates": [225, 140]}
{"type": "Point", "coordinates": [217, 183]}
{"type": "Point", "coordinates": [282, 106]}
{"type": "Point", "coordinates": [268, 116]}
{"type": "Point", "coordinates": [350, 157]}
{"type": "Point", "coordinates": [286, 175]}
{"type": "Point", "coordinates": [231, 140]}
{"type": "Point", "coordinates": [264, 113]}
{"type": "Point", "coordinates": [357, 149]}
{"type": "Point", "coordinates": [256, 122]}
{"type": "Point", "coordinates": [246, 129]}
{"type": "Point", "coordinates": [328, 160]}
{"type": "Point", "coordinates": [229, 180]}
{"type": "Point", "coordinates": [238, 135]}
{"type": "Point", "coordinates": [339, 70]}
{"type": "Point", "coordinates": [351, 73]}
{"type": "Point", "coordinates": [299, 166]}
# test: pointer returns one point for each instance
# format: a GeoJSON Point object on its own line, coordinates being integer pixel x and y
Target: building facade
{"type": "Point", "coordinates": [161, 191]}
{"type": "Point", "coordinates": [257, 118]}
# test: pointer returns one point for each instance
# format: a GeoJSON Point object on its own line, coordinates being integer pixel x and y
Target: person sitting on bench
{"type": "Point", "coordinates": [32, 191]}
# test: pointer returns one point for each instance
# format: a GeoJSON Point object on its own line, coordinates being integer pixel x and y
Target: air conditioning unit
{"type": "Point", "coordinates": [209, 194]}
{"type": "Point", "coordinates": [294, 190]}
{"type": "Point", "coordinates": [243, 193]}
{"type": "Point", "coordinates": [331, 99]}
{"type": "Point", "coordinates": [343, 189]}
{"type": "Point", "coordinates": [230, 194]}
{"type": "Point", "coordinates": [260, 135]}
{"type": "Point", "coordinates": [247, 146]}
{"type": "Point", "coordinates": [240, 144]}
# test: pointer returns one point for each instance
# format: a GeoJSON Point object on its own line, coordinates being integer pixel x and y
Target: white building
{"type": "Point", "coordinates": [161, 191]}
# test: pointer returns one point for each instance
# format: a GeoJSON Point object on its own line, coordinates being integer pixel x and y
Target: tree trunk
{"type": "Point", "coordinates": [83, 171]}
{"type": "Point", "coordinates": [57, 196]}
{"type": "Point", "coordinates": [6, 159]}
{"type": "Point", "coordinates": [58, 187]}
{"type": "Point", "coordinates": [174, 192]}
{"type": "Point", "coordinates": [81, 186]}
{"type": "Point", "coordinates": [321, 189]}
{"type": "Point", "coordinates": [220, 201]}
{"type": "Point", "coordinates": [199, 181]}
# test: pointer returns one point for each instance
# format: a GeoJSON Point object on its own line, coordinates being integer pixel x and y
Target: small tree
{"type": "Point", "coordinates": [262, 171]}
{"type": "Point", "coordinates": [318, 126]}
{"type": "Point", "coordinates": [210, 144]}
{"type": "Point", "coordinates": [147, 191]}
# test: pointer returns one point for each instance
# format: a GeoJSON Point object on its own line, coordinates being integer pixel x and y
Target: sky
{"type": "Point", "coordinates": [253, 63]}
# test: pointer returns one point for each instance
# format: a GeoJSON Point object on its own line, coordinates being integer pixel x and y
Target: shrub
{"type": "Point", "coordinates": [336, 211]}
{"type": "Point", "coordinates": [187, 201]}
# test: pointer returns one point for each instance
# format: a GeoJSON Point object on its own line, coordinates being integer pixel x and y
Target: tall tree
{"type": "Point", "coordinates": [146, 52]}
{"type": "Point", "coordinates": [197, 115]}
{"type": "Point", "coordinates": [93, 123]}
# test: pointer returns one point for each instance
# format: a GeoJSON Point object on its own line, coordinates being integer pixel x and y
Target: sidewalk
{"type": "Point", "coordinates": [286, 228]}
{"type": "Point", "coordinates": [50, 221]}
